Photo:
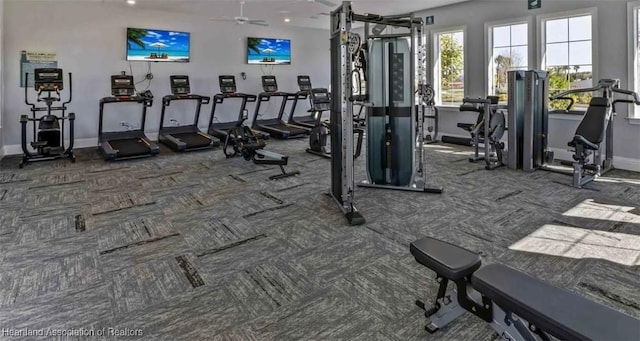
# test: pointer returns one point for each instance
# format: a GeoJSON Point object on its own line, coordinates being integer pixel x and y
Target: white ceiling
{"type": "Point", "coordinates": [303, 13]}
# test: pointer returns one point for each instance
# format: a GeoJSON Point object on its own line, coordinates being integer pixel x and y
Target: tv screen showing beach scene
{"type": "Point", "coordinates": [157, 45]}
{"type": "Point", "coordinates": [268, 51]}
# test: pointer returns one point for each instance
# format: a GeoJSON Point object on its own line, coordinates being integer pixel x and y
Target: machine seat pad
{"type": "Point", "coordinates": [579, 139]}
{"type": "Point", "coordinates": [557, 311]}
{"type": "Point", "coordinates": [447, 260]}
{"type": "Point", "coordinates": [466, 126]}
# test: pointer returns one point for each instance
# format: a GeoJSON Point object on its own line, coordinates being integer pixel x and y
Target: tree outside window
{"type": "Point", "coordinates": [451, 56]}
{"type": "Point", "coordinates": [508, 52]}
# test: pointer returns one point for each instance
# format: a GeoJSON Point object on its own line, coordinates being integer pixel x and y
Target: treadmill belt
{"type": "Point", "coordinates": [129, 147]}
{"type": "Point", "coordinates": [305, 119]}
{"type": "Point", "coordinates": [193, 140]}
{"type": "Point", "coordinates": [292, 130]}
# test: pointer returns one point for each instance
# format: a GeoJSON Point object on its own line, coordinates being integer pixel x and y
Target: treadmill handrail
{"type": "Point", "coordinates": [138, 99]}
{"type": "Point", "coordinates": [166, 100]}
{"type": "Point", "coordinates": [219, 98]}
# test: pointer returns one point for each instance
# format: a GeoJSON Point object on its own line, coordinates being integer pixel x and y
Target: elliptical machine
{"type": "Point", "coordinates": [488, 130]}
{"type": "Point", "coordinates": [320, 102]}
{"type": "Point", "coordinates": [48, 130]}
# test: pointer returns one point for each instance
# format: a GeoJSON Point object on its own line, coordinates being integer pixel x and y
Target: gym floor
{"type": "Point", "coordinates": [193, 246]}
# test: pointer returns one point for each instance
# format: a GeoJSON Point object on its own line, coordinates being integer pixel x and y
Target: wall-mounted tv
{"type": "Point", "coordinates": [268, 51]}
{"type": "Point", "coordinates": [157, 45]}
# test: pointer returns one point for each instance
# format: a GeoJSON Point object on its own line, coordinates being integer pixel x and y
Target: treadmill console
{"type": "Point", "coordinates": [304, 83]}
{"type": "Point", "coordinates": [122, 86]}
{"type": "Point", "coordinates": [48, 79]}
{"type": "Point", "coordinates": [269, 84]}
{"type": "Point", "coordinates": [320, 99]}
{"type": "Point", "coordinates": [180, 85]}
{"type": "Point", "coordinates": [227, 84]}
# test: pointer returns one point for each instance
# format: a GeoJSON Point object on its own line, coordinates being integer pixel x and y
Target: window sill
{"type": "Point", "coordinates": [633, 120]}
{"type": "Point", "coordinates": [449, 107]}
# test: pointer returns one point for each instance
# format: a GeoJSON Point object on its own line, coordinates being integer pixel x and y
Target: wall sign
{"type": "Point", "coordinates": [534, 4]}
{"type": "Point", "coordinates": [30, 60]}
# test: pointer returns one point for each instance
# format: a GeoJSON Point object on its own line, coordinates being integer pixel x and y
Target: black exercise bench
{"type": "Point", "coordinates": [589, 135]}
{"type": "Point", "coordinates": [518, 306]}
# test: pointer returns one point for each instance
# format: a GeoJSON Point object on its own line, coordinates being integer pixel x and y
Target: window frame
{"type": "Point", "coordinates": [488, 43]}
{"type": "Point", "coordinates": [435, 57]}
{"type": "Point", "coordinates": [541, 21]}
{"type": "Point", "coordinates": [633, 7]}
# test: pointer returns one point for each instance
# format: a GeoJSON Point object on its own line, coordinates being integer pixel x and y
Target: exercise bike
{"type": "Point", "coordinates": [48, 130]}
{"type": "Point", "coordinates": [488, 130]}
{"type": "Point", "coordinates": [245, 143]}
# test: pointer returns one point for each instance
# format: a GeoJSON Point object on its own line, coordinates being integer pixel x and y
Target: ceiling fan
{"type": "Point", "coordinates": [324, 2]}
{"type": "Point", "coordinates": [241, 19]}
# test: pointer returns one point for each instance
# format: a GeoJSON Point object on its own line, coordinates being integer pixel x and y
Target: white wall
{"type": "Point", "coordinates": [612, 59]}
{"type": "Point", "coordinates": [90, 40]}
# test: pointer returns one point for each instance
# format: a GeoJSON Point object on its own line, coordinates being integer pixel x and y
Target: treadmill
{"type": "Point", "coordinates": [276, 127]}
{"type": "Point", "coordinates": [228, 89]}
{"type": "Point", "coordinates": [186, 137]}
{"type": "Point", "coordinates": [308, 121]}
{"type": "Point", "coordinates": [133, 143]}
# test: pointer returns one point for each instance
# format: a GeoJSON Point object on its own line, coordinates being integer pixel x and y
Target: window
{"type": "Point", "coordinates": [634, 53]}
{"type": "Point", "coordinates": [508, 50]}
{"type": "Point", "coordinates": [449, 66]}
{"type": "Point", "coordinates": [568, 54]}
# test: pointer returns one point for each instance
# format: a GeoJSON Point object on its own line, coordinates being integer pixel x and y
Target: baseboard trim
{"type": "Point", "coordinates": [16, 149]}
{"type": "Point", "coordinates": [626, 163]}
{"type": "Point", "coordinates": [619, 162]}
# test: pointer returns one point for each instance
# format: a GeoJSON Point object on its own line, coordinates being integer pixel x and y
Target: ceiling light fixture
{"type": "Point", "coordinates": [131, 2]}
{"type": "Point", "coordinates": [287, 19]}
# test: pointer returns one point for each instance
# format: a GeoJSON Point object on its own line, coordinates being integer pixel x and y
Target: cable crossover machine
{"type": "Point", "coordinates": [394, 123]}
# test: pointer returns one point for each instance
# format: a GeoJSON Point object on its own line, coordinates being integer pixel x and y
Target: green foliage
{"type": "Point", "coordinates": [136, 35]}
{"type": "Point", "coordinates": [252, 43]}
{"type": "Point", "coordinates": [451, 60]}
{"type": "Point", "coordinates": [560, 79]}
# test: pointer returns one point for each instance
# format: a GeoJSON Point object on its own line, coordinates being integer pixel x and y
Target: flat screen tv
{"type": "Point", "coordinates": [268, 51]}
{"type": "Point", "coordinates": [157, 45]}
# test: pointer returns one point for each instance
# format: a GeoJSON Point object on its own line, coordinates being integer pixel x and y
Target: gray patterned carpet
{"type": "Point", "coordinates": [197, 247]}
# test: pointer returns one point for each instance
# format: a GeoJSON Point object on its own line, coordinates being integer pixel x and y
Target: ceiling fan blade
{"type": "Point", "coordinates": [326, 3]}
{"type": "Point", "coordinates": [324, 13]}
{"type": "Point", "coordinates": [259, 23]}
{"type": "Point", "coordinates": [255, 21]}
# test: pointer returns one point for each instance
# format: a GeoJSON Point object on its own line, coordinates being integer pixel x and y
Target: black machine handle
{"type": "Point", "coordinates": [579, 91]}
{"type": "Point", "coordinates": [26, 93]}
{"type": "Point", "coordinates": [64, 104]}
{"type": "Point", "coordinates": [471, 104]}
{"type": "Point", "coordinates": [636, 98]}
{"type": "Point", "coordinates": [564, 98]}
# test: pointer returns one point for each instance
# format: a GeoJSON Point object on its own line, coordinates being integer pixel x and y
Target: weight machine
{"type": "Point", "coordinates": [529, 126]}
{"type": "Point", "coordinates": [394, 123]}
